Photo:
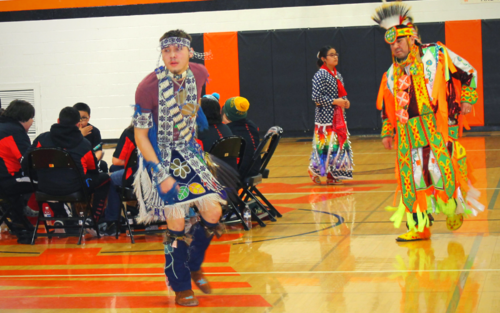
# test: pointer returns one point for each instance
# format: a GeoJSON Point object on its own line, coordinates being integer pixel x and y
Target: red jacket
{"type": "Point", "coordinates": [14, 142]}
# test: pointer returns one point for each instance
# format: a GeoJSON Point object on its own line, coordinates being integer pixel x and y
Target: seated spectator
{"type": "Point", "coordinates": [14, 141]}
{"type": "Point", "coordinates": [67, 135]}
{"type": "Point", "coordinates": [234, 114]}
{"type": "Point", "coordinates": [126, 145]}
{"type": "Point", "coordinates": [216, 129]}
{"type": "Point", "coordinates": [91, 133]}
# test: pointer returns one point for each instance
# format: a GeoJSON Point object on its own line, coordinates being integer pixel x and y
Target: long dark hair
{"type": "Point", "coordinates": [322, 54]}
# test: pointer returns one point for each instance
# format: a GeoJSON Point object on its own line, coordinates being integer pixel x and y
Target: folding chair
{"type": "Point", "coordinates": [57, 161]}
{"type": "Point", "coordinates": [264, 153]}
{"type": "Point", "coordinates": [229, 149]}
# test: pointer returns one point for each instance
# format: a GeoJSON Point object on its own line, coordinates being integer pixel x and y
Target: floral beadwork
{"type": "Point", "coordinates": [181, 169]}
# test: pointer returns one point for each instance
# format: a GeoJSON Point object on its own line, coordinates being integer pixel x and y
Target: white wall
{"type": "Point", "coordinates": [100, 61]}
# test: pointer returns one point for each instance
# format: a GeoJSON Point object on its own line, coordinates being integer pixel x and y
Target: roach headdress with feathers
{"type": "Point", "coordinates": [395, 17]}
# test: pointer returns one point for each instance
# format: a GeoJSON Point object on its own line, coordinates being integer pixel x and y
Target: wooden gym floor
{"type": "Point", "coordinates": [334, 250]}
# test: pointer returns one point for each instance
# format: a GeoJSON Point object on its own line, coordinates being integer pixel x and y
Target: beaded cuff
{"type": "Point", "coordinates": [387, 129]}
{"type": "Point", "coordinates": [143, 120]}
{"type": "Point", "coordinates": [469, 95]}
{"type": "Point", "coordinates": [160, 173]}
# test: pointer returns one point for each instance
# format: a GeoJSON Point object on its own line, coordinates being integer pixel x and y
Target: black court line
{"type": "Point", "coordinates": [340, 221]}
{"type": "Point", "coordinates": [13, 252]}
{"type": "Point", "coordinates": [494, 197]}
{"type": "Point", "coordinates": [462, 280]}
{"type": "Point", "coordinates": [102, 252]}
{"type": "Point", "coordinates": [354, 228]}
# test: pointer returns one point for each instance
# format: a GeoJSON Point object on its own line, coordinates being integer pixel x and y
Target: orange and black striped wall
{"type": "Point", "coordinates": [273, 69]}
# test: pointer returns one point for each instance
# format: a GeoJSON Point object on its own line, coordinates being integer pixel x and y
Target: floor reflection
{"type": "Point", "coordinates": [343, 205]}
{"type": "Point", "coordinates": [430, 284]}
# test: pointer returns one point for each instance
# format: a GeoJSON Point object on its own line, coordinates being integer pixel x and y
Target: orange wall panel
{"type": "Point", "coordinates": [464, 38]}
{"type": "Point", "coordinates": [27, 5]}
{"type": "Point", "coordinates": [224, 66]}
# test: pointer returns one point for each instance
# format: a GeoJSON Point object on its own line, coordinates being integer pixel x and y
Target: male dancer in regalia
{"type": "Point", "coordinates": [423, 97]}
{"type": "Point", "coordinates": [173, 175]}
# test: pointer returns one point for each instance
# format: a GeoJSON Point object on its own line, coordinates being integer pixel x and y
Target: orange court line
{"type": "Point", "coordinates": [78, 256]}
{"type": "Point", "coordinates": [93, 271]}
{"type": "Point", "coordinates": [464, 38]}
{"type": "Point", "coordinates": [28, 288]}
{"type": "Point", "coordinates": [28, 5]}
{"type": "Point", "coordinates": [129, 302]}
{"type": "Point", "coordinates": [310, 187]}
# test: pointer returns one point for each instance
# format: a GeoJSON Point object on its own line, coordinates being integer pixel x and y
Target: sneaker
{"type": "Point", "coordinates": [89, 227]}
{"type": "Point", "coordinates": [152, 227]}
{"type": "Point", "coordinates": [59, 230]}
{"type": "Point", "coordinates": [110, 230]}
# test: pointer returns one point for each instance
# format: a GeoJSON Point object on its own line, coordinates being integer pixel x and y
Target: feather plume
{"type": "Point", "coordinates": [391, 14]}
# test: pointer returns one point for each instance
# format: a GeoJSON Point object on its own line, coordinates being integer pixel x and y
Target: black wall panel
{"type": "Point", "coordinates": [290, 80]}
{"type": "Point", "coordinates": [491, 71]}
{"type": "Point", "coordinates": [432, 32]}
{"type": "Point", "coordinates": [315, 40]}
{"type": "Point", "coordinates": [256, 76]}
{"type": "Point", "coordinates": [382, 60]}
{"type": "Point", "coordinates": [357, 66]}
{"type": "Point", "coordinates": [199, 46]}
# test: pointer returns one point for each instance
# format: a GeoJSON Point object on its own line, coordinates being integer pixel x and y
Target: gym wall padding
{"type": "Point", "coordinates": [491, 71]}
{"type": "Point", "coordinates": [276, 70]}
{"type": "Point", "coordinates": [256, 76]}
{"type": "Point", "coordinates": [223, 67]}
{"type": "Point", "coordinates": [359, 74]}
{"type": "Point", "coordinates": [289, 79]}
{"type": "Point", "coordinates": [464, 38]}
{"type": "Point", "coordinates": [198, 46]}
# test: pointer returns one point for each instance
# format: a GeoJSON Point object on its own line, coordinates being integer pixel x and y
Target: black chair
{"type": "Point", "coordinates": [55, 161]}
{"type": "Point", "coordinates": [229, 149]}
{"type": "Point", "coordinates": [263, 153]}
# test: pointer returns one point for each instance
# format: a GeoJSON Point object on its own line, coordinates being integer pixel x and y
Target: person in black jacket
{"type": "Point", "coordinates": [234, 114]}
{"type": "Point", "coordinates": [14, 141]}
{"type": "Point", "coordinates": [126, 145]}
{"type": "Point", "coordinates": [216, 129]}
{"type": "Point", "coordinates": [92, 134]}
{"type": "Point", "coordinates": [66, 135]}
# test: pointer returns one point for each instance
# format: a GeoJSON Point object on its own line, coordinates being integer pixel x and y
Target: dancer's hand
{"type": "Point", "coordinates": [340, 102]}
{"type": "Point", "coordinates": [347, 104]}
{"type": "Point", "coordinates": [387, 142]}
{"type": "Point", "coordinates": [466, 108]}
{"type": "Point", "coordinates": [167, 184]}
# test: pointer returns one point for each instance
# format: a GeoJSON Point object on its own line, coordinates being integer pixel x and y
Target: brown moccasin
{"type": "Point", "coordinates": [201, 282]}
{"type": "Point", "coordinates": [186, 298]}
